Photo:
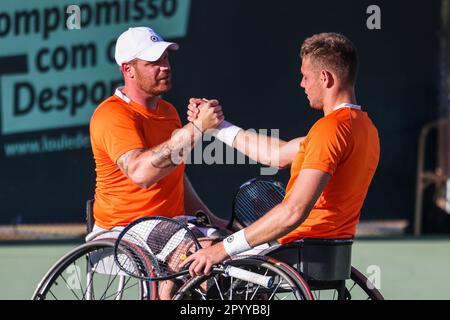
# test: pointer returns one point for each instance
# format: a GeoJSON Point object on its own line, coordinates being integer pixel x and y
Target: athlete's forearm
{"type": "Point", "coordinates": [278, 222]}
{"type": "Point", "coordinates": [266, 150]}
{"type": "Point", "coordinates": [259, 147]}
{"type": "Point", "coordinates": [147, 166]}
{"type": "Point", "coordinates": [292, 212]}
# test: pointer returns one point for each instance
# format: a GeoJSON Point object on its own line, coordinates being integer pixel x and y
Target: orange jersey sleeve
{"type": "Point", "coordinates": [116, 130]}
{"type": "Point", "coordinates": [326, 144]}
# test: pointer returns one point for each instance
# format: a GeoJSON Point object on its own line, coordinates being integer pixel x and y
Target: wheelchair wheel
{"type": "Point", "coordinates": [89, 272]}
{"type": "Point", "coordinates": [218, 286]}
{"type": "Point", "coordinates": [358, 287]}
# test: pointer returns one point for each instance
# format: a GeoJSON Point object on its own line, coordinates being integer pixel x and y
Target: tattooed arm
{"type": "Point", "coordinates": [147, 166]}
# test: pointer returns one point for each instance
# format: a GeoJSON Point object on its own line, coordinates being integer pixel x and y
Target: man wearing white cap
{"type": "Point", "coordinates": [135, 135]}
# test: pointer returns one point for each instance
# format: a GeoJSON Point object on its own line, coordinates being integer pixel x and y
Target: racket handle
{"type": "Point", "coordinates": [249, 276]}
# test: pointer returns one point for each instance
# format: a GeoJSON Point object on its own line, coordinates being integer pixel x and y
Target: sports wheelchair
{"type": "Point", "coordinates": [320, 268]}
{"type": "Point", "coordinates": [304, 270]}
{"type": "Point", "coordinates": [93, 271]}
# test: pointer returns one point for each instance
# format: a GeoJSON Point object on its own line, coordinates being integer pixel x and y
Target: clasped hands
{"type": "Point", "coordinates": [205, 114]}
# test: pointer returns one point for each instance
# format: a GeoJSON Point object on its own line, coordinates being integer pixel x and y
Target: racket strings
{"type": "Point", "coordinates": [133, 259]}
{"type": "Point", "coordinates": [162, 244]}
{"type": "Point", "coordinates": [256, 199]}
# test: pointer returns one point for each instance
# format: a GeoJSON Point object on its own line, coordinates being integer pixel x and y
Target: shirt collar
{"type": "Point", "coordinates": [122, 95]}
{"type": "Point", "coordinates": [347, 105]}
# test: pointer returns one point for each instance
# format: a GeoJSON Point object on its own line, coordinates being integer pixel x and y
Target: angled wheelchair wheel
{"type": "Point", "coordinates": [358, 287]}
{"type": "Point", "coordinates": [287, 285]}
{"type": "Point", "coordinates": [89, 272]}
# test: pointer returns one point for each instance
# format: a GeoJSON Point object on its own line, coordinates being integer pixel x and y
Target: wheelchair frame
{"type": "Point", "coordinates": [305, 266]}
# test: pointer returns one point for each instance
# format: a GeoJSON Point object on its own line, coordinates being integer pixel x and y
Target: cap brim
{"type": "Point", "coordinates": [155, 52]}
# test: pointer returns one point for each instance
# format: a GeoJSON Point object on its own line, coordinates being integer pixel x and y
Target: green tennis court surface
{"type": "Point", "coordinates": [404, 268]}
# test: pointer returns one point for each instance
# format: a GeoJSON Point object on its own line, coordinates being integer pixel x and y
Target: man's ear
{"type": "Point", "coordinates": [327, 78]}
{"type": "Point", "coordinates": [128, 70]}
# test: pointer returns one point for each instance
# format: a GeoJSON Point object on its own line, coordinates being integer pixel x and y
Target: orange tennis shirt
{"type": "Point", "coordinates": [344, 144]}
{"type": "Point", "coordinates": [119, 125]}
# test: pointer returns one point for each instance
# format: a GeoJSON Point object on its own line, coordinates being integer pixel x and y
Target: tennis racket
{"type": "Point", "coordinates": [254, 199]}
{"type": "Point", "coordinates": [160, 244]}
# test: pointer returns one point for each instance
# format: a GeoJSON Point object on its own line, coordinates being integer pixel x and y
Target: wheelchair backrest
{"type": "Point", "coordinates": [317, 259]}
{"type": "Point", "coordinates": [89, 215]}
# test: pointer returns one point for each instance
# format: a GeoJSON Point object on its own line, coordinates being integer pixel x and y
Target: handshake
{"type": "Point", "coordinates": [207, 115]}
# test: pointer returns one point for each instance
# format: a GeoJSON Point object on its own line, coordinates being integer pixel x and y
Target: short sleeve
{"type": "Point", "coordinates": [327, 143]}
{"type": "Point", "coordinates": [116, 130]}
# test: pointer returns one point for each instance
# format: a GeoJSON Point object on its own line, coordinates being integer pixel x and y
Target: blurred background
{"type": "Point", "coordinates": [246, 54]}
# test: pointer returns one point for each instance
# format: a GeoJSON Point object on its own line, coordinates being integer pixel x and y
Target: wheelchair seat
{"type": "Point", "coordinates": [316, 259]}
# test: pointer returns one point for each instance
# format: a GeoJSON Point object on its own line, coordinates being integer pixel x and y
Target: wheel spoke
{"type": "Point", "coordinates": [107, 287]}
{"type": "Point", "coordinates": [354, 284]}
{"type": "Point", "coordinates": [254, 293]}
{"type": "Point", "coordinates": [78, 277]}
{"type": "Point", "coordinates": [285, 286]}
{"type": "Point", "coordinates": [68, 286]}
{"type": "Point", "coordinates": [121, 291]}
{"type": "Point", "coordinates": [257, 288]}
{"type": "Point", "coordinates": [53, 295]}
{"type": "Point", "coordinates": [110, 282]}
{"type": "Point", "coordinates": [218, 288]}
{"type": "Point", "coordinates": [279, 283]}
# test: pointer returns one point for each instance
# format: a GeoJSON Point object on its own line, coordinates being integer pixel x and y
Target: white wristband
{"type": "Point", "coordinates": [225, 132]}
{"type": "Point", "coordinates": [236, 243]}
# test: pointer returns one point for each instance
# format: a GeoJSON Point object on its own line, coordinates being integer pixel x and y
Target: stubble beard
{"type": "Point", "coordinates": [153, 88]}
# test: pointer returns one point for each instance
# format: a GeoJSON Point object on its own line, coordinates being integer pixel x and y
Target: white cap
{"type": "Point", "coordinates": [142, 43]}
